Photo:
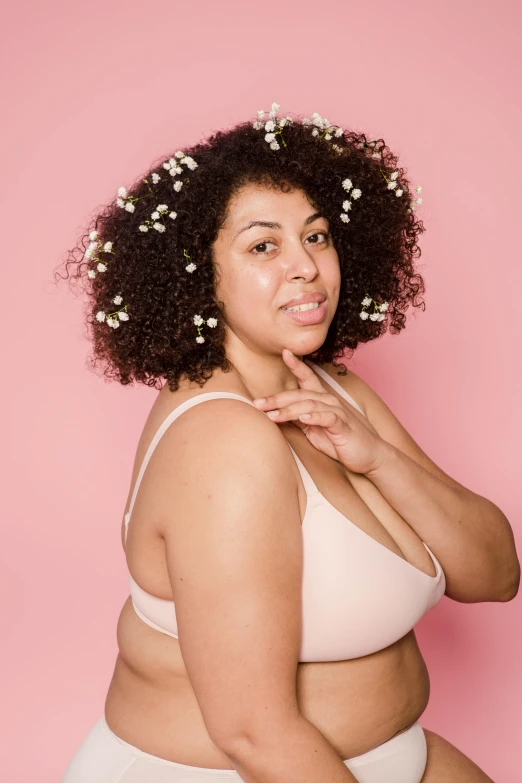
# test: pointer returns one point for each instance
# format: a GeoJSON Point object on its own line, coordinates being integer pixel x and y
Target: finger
{"type": "Point", "coordinates": [327, 419]}
{"type": "Point", "coordinates": [293, 412]}
{"type": "Point", "coordinates": [294, 396]}
{"type": "Point", "coordinates": [304, 374]}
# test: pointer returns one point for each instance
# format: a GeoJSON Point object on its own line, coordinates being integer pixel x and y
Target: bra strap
{"type": "Point", "coordinates": [173, 415]}
{"type": "Point", "coordinates": [308, 481]}
{"type": "Point", "coordinates": [333, 383]}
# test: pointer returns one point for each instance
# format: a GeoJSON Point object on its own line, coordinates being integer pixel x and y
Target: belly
{"type": "Point", "coordinates": [356, 704]}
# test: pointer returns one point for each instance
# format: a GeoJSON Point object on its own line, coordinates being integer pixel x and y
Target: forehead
{"type": "Point", "coordinates": [259, 201]}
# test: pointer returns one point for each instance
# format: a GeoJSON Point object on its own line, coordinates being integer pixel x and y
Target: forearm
{"type": "Point", "coordinates": [471, 534]}
{"type": "Point", "coordinates": [294, 753]}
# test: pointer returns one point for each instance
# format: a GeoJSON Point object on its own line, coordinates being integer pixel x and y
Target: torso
{"type": "Point", "coordinates": [357, 704]}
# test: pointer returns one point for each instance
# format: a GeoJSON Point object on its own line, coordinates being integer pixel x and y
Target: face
{"type": "Point", "coordinates": [260, 268]}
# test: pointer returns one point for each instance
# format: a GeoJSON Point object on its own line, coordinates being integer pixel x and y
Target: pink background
{"type": "Point", "coordinates": [92, 93]}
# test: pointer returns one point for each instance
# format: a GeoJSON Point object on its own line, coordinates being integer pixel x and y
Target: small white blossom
{"type": "Point", "coordinates": [120, 202]}
{"type": "Point", "coordinates": [327, 136]}
{"type": "Point", "coordinates": [117, 300]}
{"type": "Point", "coordinates": [376, 155]}
{"type": "Point", "coordinates": [392, 185]}
{"type": "Point", "coordinates": [100, 316]}
{"type": "Point", "coordinates": [143, 228]}
{"type": "Point", "coordinates": [122, 192]}
{"type": "Point", "coordinates": [270, 125]}
{"type": "Point", "coordinates": [363, 315]}
{"type": "Point", "coordinates": [159, 227]}
{"type": "Point", "coordinates": [167, 165]}
{"type": "Point", "coordinates": [347, 184]}
{"type": "Point", "coordinates": [130, 207]}
{"type": "Point", "coordinates": [418, 189]}
{"type": "Point", "coordinates": [122, 315]}
{"type": "Point", "coordinates": [155, 178]}
{"type": "Point", "coordinates": [177, 170]}
{"type": "Point", "coordinates": [91, 273]}
{"type": "Point", "coordinates": [257, 125]}
{"type": "Point", "coordinates": [345, 218]}
{"type": "Point", "coordinates": [190, 162]}
{"type": "Point", "coordinates": [394, 175]}
{"type": "Point", "coordinates": [384, 306]}
{"type": "Point", "coordinates": [93, 235]}
{"type": "Point", "coordinates": [356, 193]}
{"type": "Point", "coordinates": [198, 320]}
{"type": "Point", "coordinates": [115, 323]}
{"type": "Point", "coordinates": [190, 267]}
{"type": "Point", "coordinates": [274, 145]}
{"type": "Point", "coordinates": [107, 248]}
{"type": "Point", "coordinates": [275, 107]}
{"type": "Point", "coordinates": [339, 132]}
{"type": "Point", "coordinates": [200, 339]}
{"type": "Point", "coordinates": [305, 121]}
{"type": "Point", "coordinates": [419, 201]}
{"type": "Point", "coordinates": [179, 154]}
{"type": "Point", "coordinates": [155, 215]}
{"type": "Point", "coordinates": [375, 317]}
{"type": "Point", "coordinates": [282, 122]}
{"type": "Point", "coordinates": [398, 192]}
{"type": "Point", "coordinates": [173, 215]}
{"type": "Point", "coordinates": [347, 205]}
{"type": "Point", "coordinates": [315, 132]}
{"type": "Point", "coordinates": [177, 185]}
{"type": "Point", "coordinates": [101, 267]}
{"type": "Point", "coordinates": [269, 137]}
{"type": "Point", "coordinates": [212, 322]}
{"type": "Point", "coordinates": [260, 114]}
{"type": "Point", "coordinates": [366, 301]}
{"type": "Point", "coordinates": [162, 208]}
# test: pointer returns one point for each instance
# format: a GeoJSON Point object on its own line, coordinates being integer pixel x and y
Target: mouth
{"type": "Point", "coordinates": [309, 313]}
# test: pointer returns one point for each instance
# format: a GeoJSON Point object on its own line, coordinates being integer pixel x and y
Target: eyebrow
{"type": "Point", "coordinates": [270, 224]}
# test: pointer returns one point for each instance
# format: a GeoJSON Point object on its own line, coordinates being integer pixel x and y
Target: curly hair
{"type": "Point", "coordinates": [157, 343]}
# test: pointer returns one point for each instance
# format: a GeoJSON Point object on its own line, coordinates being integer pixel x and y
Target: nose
{"type": "Point", "coordinates": [300, 263]}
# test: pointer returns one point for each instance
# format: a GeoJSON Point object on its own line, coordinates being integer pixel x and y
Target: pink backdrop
{"type": "Point", "coordinates": [92, 93]}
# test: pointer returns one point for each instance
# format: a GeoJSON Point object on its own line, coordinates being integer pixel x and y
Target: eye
{"type": "Point", "coordinates": [263, 252]}
{"type": "Point", "coordinates": [325, 234]}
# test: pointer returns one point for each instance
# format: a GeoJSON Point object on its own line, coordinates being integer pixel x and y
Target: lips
{"type": "Point", "coordinates": [313, 296]}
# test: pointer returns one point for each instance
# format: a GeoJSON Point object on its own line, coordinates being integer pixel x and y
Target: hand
{"type": "Point", "coordinates": [333, 427]}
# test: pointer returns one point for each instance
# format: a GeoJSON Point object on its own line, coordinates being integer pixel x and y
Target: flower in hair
{"type": "Point", "coordinates": [273, 126]}
{"type": "Point", "coordinates": [199, 321]}
{"type": "Point", "coordinates": [378, 309]}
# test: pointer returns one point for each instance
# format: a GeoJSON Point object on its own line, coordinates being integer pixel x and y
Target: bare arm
{"type": "Point", "coordinates": [234, 555]}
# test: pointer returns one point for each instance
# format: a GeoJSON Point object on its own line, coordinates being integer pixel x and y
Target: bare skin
{"type": "Point", "coordinates": [356, 704]}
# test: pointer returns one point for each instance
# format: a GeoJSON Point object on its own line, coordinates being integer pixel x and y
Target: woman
{"type": "Point", "coordinates": [278, 563]}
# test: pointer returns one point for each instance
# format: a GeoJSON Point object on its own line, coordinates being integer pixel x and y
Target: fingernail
{"type": "Point", "coordinates": [260, 400]}
{"type": "Point", "coordinates": [272, 414]}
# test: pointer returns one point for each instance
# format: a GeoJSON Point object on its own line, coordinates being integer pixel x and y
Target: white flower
{"type": "Point", "coordinates": [88, 253]}
{"type": "Point", "coordinates": [122, 315]}
{"type": "Point", "coordinates": [347, 205]}
{"type": "Point", "coordinates": [257, 125]}
{"type": "Point", "coordinates": [101, 267]}
{"type": "Point", "coordinates": [91, 273]}
{"type": "Point", "coordinates": [179, 154]}
{"type": "Point", "coordinates": [356, 193]}
{"type": "Point", "coordinates": [155, 178]}
{"type": "Point", "coordinates": [130, 207]}
{"type": "Point", "coordinates": [339, 132]}
{"type": "Point", "coordinates": [305, 121]}
{"type": "Point", "coordinates": [270, 125]}
{"type": "Point", "coordinates": [190, 162]}
{"type": "Point", "coordinates": [275, 107]}
{"type": "Point", "coordinates": [173, 215]}
{"type": "Point", "coordinates": [107, 248]}
{"type": "Point", "coordinates": [167, 165]}
{"type": "Point", "coordinates": [376, 155]}
{"type": "Point", "coordinates": [269, 136]}
{"type": "Point", "coordinates": [394, 175]}
{"type": "Point", "coordinates": [200, 339]}
{"type": "Point", "coordinates": [212, 322]}
{"type": "Point", "coordinates": [162, 208]}
{"type": "Point", "coordinates": [198, 320]}
{"type": "Point", "coordinates": [327, 136]}
{"type": "Point", "coordinates": [282, 122]}
{"type": "Point", "coordinates": [366, 301]}
{"type": "Point", "coordinates": [122, 192]}
{"type": "Point", "coordinates": [143, 228]}
{"type": "Point", "coordinates": [120, 202]}
{"type": "Point", "coordinates": [117, 300]}
{"type": "Point", "coordinates": [347, 184]}
{"type": "Point", "coordinates": [260, 114]}
{"type": "Point", "coordinates": [392, 185]}
{"type": "Point", "coordinates": [155, 215]}
{"type": "Point", "coordinates": [93, 235]}
{"type": "Point", "coordinates": [315, 132]}
{"type": "Point", "coordinates": [345, 218]}
{"type": "Point", "coordinates": [190, 267]}
{"type": "Point", "coordinates": [115, 323]}
{"type": "Point", "coordinates": [274, 145]}
{"type": "Point", "coordinates": [159, 227]}
{"type": "Point", "coordinates": [398, 192]}
{"type": "Point", "coordinates": [418, 189]}
{"type": "Point", "coordinates": [384, 306]}
{"type": "Point", "coordinates": [100, 316]}
{"type": "Point", "coordinates": [375, 317]}
{"type": "Point", "coordinates": [177, 185]}
{"type": "Point", "coordinates": [419, 201]}
{"type": "Point", "coordinates": [364, 315]}
{"type": "Point", "coordinates": [109, 321]}
{"type": "Point", "coordinates": [177, 170]}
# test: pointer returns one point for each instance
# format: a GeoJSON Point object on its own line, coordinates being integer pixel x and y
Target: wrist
{"type": "Point", "coordinates": [386, 455]}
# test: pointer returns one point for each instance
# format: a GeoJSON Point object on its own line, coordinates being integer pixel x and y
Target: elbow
{"type": "Point", "coordinates": [246, 737]}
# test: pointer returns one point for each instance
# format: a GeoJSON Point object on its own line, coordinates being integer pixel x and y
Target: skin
{"type": "Point", "coordinates": [356, 704]}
